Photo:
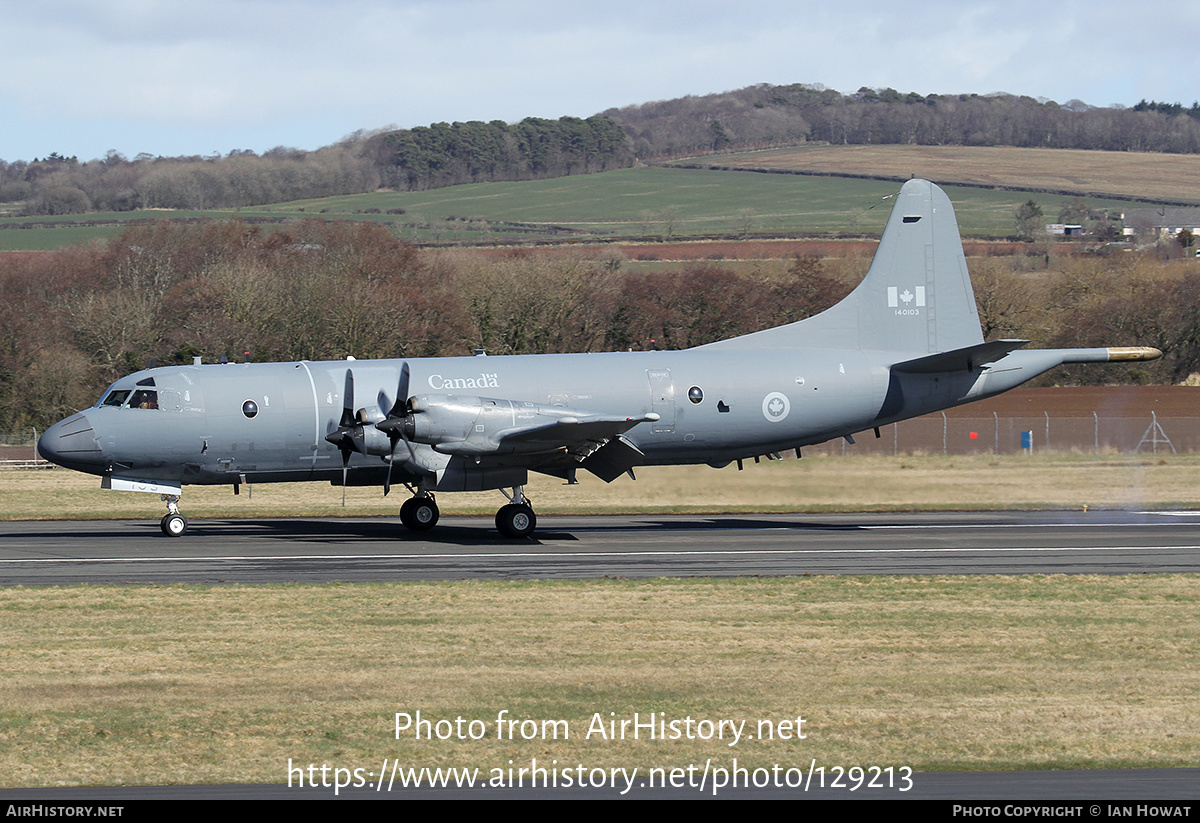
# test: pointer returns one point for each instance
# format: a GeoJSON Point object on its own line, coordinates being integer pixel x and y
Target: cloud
{"type": "Point", "coordinates": [172, 77]}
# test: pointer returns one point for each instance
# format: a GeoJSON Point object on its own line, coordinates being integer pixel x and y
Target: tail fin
{"type": "Point", "coordinates": [916, 297]}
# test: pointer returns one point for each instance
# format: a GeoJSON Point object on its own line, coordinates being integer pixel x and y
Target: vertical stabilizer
{"type": "Point", "coordinates": [916, 297]}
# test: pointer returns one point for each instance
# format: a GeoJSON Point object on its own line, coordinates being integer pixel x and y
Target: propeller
{"type": "Point", "coordinates": [393, 425]}
{"type": "Point", "coordinates": [352, 434]}
{"type": "Point", "coordinates": [343, 436]}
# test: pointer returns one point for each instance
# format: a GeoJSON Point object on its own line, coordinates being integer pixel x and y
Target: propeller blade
{"type": "Point", "coordinates": [400, 407]}
{"type": "Point", "coordinates": [342, 438]}
{"type": "Point", "coordinates": [345, 466]}
{"type": "Point", "coordinates": [348, 418]}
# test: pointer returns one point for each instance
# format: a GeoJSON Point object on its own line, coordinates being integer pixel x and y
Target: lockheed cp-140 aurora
{"type": "Point", "coordinates": [905, 342]}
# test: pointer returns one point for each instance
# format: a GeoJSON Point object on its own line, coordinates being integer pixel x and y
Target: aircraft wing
{"type": "Point", "coordinates": [594, 441]}
{"type": "Point", "coordinates": [566, 432]}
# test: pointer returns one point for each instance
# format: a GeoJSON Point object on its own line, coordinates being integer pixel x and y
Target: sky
{"type": "Point", "coordinates": [168, 77]}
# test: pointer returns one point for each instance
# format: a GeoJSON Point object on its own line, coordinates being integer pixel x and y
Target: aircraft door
{"type": "Point", "coordinates": [662, 399]}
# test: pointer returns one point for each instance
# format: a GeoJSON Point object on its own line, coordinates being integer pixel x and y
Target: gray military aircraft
{"type": "Point", "coordinates": [905, 342]}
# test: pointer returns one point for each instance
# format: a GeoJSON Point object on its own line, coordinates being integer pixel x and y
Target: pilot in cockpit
{"type": "Point", "coordinates": [144, 399]}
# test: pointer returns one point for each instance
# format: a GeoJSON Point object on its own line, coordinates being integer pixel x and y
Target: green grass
{"type": "Point", "coordinates": [694, 201]}
{"type": "Point", "coordinates": [655, 202]}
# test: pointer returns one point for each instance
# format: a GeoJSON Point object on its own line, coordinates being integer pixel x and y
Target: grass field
{"type": "Point", "coordinates": [677, 202]}
{"type": "Point", "coordinates": [162, 685]}
{"type": "Point", "coordinates": [1125, 174]}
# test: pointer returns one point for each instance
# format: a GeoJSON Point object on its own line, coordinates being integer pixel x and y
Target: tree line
{"type": "Point", "coordinates": [447, 154]}
{"type": "Point", "coordinates": [767, 115]}
{"type": "Point", "coordinates": [73, 320]}
{"type": "Point", "coordinates": [444, 154]}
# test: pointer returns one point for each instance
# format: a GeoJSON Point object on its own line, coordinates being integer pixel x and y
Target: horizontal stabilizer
{"type": "Point", "coordinates": [964, 359]}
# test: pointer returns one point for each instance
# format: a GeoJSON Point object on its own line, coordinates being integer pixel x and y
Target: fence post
{"type": "Point", "coordinates": [1046, 448]}
{"type": "Point", "coordinates": [1096, 418]}
{"type": "Point", "coordinates": [943, 434]}
{"type": "Point", "coordinates": [996, 440]}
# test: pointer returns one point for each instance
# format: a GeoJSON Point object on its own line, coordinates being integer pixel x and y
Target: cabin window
{"type": "Point", "coordinates": [250, 409]}
{"type": "Point", "coordinates": [696, 394]}
{"type": "Point", "coordinates": [116, 397]}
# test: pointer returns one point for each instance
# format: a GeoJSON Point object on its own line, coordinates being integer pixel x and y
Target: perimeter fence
{"type": "Point", "coordinates": [1045, 434]}
{"type": "Point", "coordinates": [18, 450]}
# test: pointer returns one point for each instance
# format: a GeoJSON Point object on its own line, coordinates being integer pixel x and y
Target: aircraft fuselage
{"type": "Point", "coordinates": [713, 407]}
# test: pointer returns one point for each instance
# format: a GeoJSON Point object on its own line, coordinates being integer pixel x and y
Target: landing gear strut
{"type": "Point", "coordinates": [173, 523]}
{"type": "Point", "coordinates": [420, 513]}
{"type": "Point", "coordinates": [516, 520]}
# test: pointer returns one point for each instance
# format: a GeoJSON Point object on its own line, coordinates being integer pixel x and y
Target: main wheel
{"type": "Point", "coordinates": [516, 520]}
{"type": "Point", "coordinates": [419, 514]}
{"type": "Point", "coordinates": [173, 525]}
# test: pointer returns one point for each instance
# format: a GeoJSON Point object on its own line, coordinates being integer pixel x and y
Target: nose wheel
{"type": "Point", "coordinates": [173, 523]}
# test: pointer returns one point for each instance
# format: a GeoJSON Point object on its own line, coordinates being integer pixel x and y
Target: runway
{"type": "Point", "coordinates": [361, 550]}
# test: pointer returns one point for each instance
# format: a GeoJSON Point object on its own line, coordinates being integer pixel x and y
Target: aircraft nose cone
{"type": "Point", "coordinates": [71, 443]}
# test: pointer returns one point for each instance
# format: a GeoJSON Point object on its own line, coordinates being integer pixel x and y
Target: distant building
{"type": "Point", "coordinates": [1162, 223]}
{"type": "Point", "coordinates": [1065, 229]}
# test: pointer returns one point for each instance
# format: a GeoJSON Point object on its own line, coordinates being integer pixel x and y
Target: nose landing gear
{"type": "Point", "coordinates": [173, 523]}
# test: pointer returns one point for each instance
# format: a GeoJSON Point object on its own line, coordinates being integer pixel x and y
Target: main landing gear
{"type": "Point", "coordinates": [420, 513]}
{"type": "Point", "coordinates": [515, 520]}
{"type": "Point", "coordinates": [173, 523]}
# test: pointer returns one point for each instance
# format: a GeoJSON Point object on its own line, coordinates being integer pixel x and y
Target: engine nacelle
{"type": "Point", "coordinates": [370, 440]}
{"type": "Point", "coordinates": [367, 438]}
{"type": "Point", "coordinates": [454, 424]}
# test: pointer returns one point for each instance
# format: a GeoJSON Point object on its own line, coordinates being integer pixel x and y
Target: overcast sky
{"type": "Point", "coordinates": [82, 77]}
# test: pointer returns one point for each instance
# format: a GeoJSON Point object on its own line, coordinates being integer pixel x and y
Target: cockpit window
{"type": "Point", "coordinates": [132, 399]}
{"type": "Point", "coordinates": [144, 399]}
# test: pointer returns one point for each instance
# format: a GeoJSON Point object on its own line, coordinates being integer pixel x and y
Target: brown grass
{"type": "Point", "coordinates": [152, 685]}
{"type": "Point", "coordinates": [1166, 176]}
